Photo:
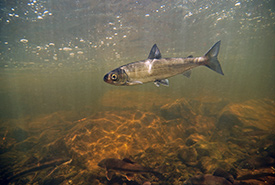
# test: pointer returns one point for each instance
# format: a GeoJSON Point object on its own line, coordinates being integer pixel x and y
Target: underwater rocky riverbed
{"type": "Point", "coordinates": [183, 137]}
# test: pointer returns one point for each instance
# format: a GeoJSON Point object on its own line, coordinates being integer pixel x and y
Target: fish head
{"type": "Point", "coordinates": [116, 77]}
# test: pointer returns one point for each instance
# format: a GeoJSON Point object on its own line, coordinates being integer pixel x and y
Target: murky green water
{"type": "Point", "coordinates": [54, 54]}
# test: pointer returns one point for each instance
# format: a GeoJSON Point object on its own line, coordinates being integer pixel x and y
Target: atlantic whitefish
{"type": "Point", "coordinates": [157, 69]}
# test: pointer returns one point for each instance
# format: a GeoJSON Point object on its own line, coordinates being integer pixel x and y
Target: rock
{"type": "Point", "coordinates": [256, 162]}
{"type": "Point", "coordinates": [212, 155]}
{"type": "Point", "coordinates": [18, 134]}
{"type": "Point", "coordinates": [190, 142]}
{"type": "Point", "coordinates": [207, 180]}
{"type": "Point", "coordinates": [271, 150]}
{"type": "Point", "coordinates": [188, 156]}
{"type": "Point", "coordinates": [219, 172]}
{"type": "Point", "coordinates": [185, 136]}
{"type": "Point", "coordinates": [253, 114]}
{"type": "Point", "coordinates": [208, 106]}
{"type": "Point", "coordinates": [202, 151]}
{"type": "Point", "coordinates": [116, 134]}
{"type": "Point", "coordinates": [255, 177]}
{"type": "Point", "coordinates": [178, 109]}
{"type": "Point", "coordinates": [219, 177]}
{"type": "Point", "coordinates": [25, 145]}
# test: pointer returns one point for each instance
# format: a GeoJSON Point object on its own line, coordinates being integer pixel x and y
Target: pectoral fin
{"type": "Point", "coordinates": [164, 82]}
{"type": "Point", "coordinates": [134, 83]}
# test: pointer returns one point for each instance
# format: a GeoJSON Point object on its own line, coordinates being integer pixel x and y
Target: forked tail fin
{"type": "Point", "coordinates": [212, 61]}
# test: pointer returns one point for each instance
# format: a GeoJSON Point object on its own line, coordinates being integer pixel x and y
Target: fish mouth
{"type": "Point", "coordinates": [106, 78]}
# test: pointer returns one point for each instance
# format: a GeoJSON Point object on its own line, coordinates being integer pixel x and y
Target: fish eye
{"type": "Point", "coordinates": [113, 76]}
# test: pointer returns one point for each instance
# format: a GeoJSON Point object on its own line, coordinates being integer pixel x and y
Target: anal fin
{"type": "Point", "coordinates": [164, 82]}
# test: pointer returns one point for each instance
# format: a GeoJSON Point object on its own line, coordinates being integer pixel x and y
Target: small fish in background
{"type": "Point", "coordinates": [157, 69]}
{"type": "Point", "coordinates": [126, 167]}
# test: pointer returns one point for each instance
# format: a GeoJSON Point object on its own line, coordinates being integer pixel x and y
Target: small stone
{"type": "Point", "coordinates": [188, 156]}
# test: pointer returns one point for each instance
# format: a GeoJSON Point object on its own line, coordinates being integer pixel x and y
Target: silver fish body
{"type": "Point", "coordinates": [156, 69]}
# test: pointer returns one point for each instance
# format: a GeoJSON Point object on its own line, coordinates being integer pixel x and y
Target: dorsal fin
{"type": "Point", "coordinates": [128, 160]}
{"type": "Point", "coordinates": [190, 56]}
{"type": "Point", "coordinates": [154, 53]}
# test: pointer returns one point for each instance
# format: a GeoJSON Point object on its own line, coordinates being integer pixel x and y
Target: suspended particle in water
{"type": "Point", "coordinates": [24, 40]}
{"type": "Point", "coordinates": [238, 4]}
{"type": "Point", "coordinates": [67, 49]}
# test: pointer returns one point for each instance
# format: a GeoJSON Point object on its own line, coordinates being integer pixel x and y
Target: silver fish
{"type": "Point", "coordinates": [126, 166]}
{"type": "Point", "coordinates": [157, 69]}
